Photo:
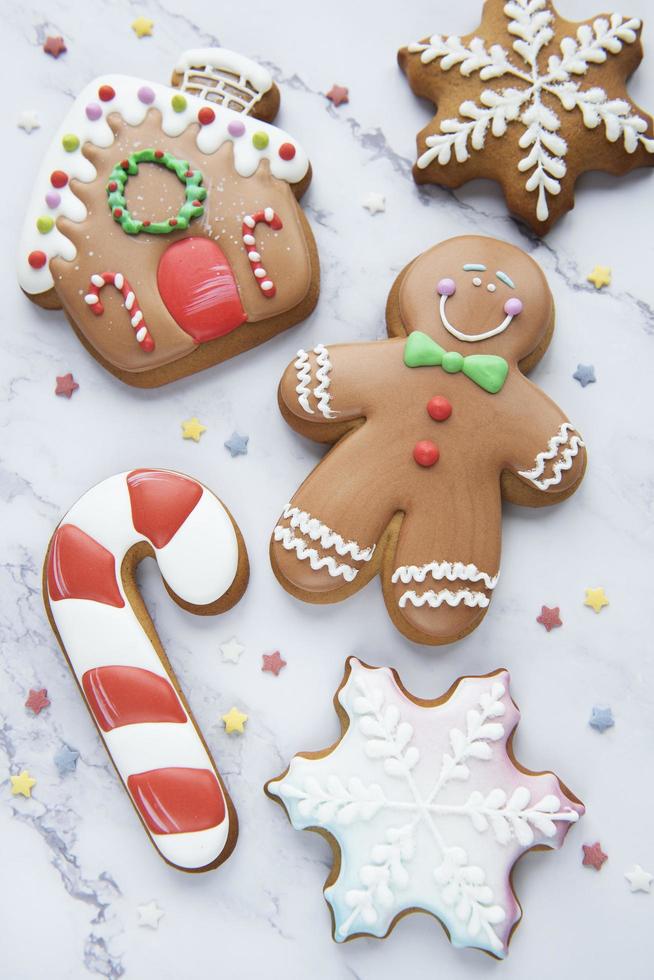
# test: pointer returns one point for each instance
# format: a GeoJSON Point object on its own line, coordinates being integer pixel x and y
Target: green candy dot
{"type": "Point", "coordinates": [70, 142]}
{"type": "Point", "coordinates": [45, 224]}
{"type": "Point", "coordinates": [452, 362]}
{"type": "Point", "coordinates": [179, 103]}
{"type": "Point", "coordinates": [260, 140]}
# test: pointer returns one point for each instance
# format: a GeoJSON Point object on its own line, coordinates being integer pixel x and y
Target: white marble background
{"type": "Point", "coordinates": [74, 860]}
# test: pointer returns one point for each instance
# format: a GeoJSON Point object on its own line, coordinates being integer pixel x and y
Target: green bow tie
{"type": "Point", "coordinates": [486, 370]}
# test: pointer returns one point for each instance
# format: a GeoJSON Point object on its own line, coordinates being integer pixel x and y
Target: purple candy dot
{"type": "Point", "coordinates": [513, 306]}
{"type": "Point", "coordinates": [146, 95]}
{"type": "Point", "coordinates": [446, 287]}
{"type": "Point", "coordinates": [236, 128]}
{"type": "Point", "coordinates": [53, 199]}
{"type": "Point", "coordinates": [93, 111]}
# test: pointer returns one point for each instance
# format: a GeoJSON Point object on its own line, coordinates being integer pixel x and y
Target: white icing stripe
{"type": "Point", "coordinates": [303, 370]}
{"type": "Point", "coordinates": [156, 745]}
{"type": "Point", "coordinates": [571, 445]}
{"type": "Point", "coordinates": [436, 599]}
{"type": "Point", "coordinates": [317, 531]}
{"type": "Point", "coordinates": [193, 850]}
{"type": "Point", "coordinates": [214, 62]}
{"type": "Point", "coordinates": [304, 553]}
{"type": "Point", "coordinates": [452, 571]}
{"type": "Point", "coordinates": [321, 391]}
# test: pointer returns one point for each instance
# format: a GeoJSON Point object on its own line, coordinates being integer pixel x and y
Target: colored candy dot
{"type": "Point", "coordinates": [236, 128]}
{"type": "Point", "coordinates": [439, 408]}
{"type": "Point", "coordinates": [70, 142]}
{"type": "Point", "coordinates": [106, 93]}
{"type": "Point", "coordinates": [513, 306]}
{"type": "Point", "coordinates": [53, 199]}
{"type": "Point", "coordinates": [197, 204]}
{"type": "Point", "coordinates": [287, 151]}
{"type": "Point", "coordinates": [426, 453]}
{"type": "Point", "coordinates": [37, 259]}
{"type": "Point", "coordinates": [146, 95]}
{"type": "Point", "coordinates": [158, 154]}
{"type": "Point", "coordinates": [206, 116]}
{"type": "Point", "coordinates": [93, 111]}
{"type": "Point", "coordinates": [188, 173]}
{"type": "Point", "coordinates": [452, 362]}
{"type": "Point", "coordinates": [112, 186]}
{"type": "Point", "coordinates": [146, 223]}
{"type": "Point", "coordinates": [58, 178]}
{"type": "Point", "coordinates": [172, 221]}
{"type": "Point", "coordinates": [260, 140]}
{"type": "Point", "coordinates": [118, 212]}
{"type": "Point", "coordinates": [446, 287]}
{"type": "Point", "coordinates": [45, 224]}
{"type": "Point", "coordinates": [178, 102]}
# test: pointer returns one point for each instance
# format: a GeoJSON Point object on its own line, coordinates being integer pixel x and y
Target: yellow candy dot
{"type": "Point", "coordinates": [260, 140]}
{"type": "Point", "coordinates": [45, 224]}
{"type": "Point", "coordinates": [178, 102]}
{"type": "Point", "coordinates": [70, 142]}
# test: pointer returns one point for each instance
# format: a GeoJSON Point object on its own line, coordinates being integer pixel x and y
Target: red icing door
{"type": "Point", "coordinates": [199, 290]}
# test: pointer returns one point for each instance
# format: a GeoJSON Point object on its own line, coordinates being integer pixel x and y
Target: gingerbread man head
{"type": "Point", "coordinates": [166, 220]}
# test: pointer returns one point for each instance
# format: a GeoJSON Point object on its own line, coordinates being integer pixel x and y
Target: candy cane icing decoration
{"type": "Point", "coordinates": [118, 280]}
{"type": "Point", "coordinates": [250, 222]}
{"type": "Point", "coordinates": [130, 690]}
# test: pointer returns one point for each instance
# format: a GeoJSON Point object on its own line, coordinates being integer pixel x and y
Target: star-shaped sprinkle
{"type": "Point", "coordinates": [601, 719]}
{"type": "Point", "coordinates": [193, 429]}
{"type": "Point", "coordinates": [231, 651]}
{"type": "Point", "coordinates": [338, 94]}
{"type": "Point", "coordinates": [234, 721]}
{"type": "Point", "coordinates": [273, 662]}
{"type": "Point", "coordinates": [549, 618]}
{"type": "Point", "coordinates": [22, 783]}
{"type": "Point", "coordinates": [237, 444]}
{"type": "Point", "coordinates": [594, 856]}
{"type": "Point", "coordinates": [29, 120]}
{"type": "Point", "coordinates": [600, 276]}
{"type": "Point", "coordinates": [596, 599]}
{"type": "Point", "coordinates": [639, 879]}
{"type": "Point", "coordinates": [66, 385]}
{"type": "Point", "coordinates": [142, 26]}
{"type": "Point", "coordinates": [374, 203]}
{"type": "Point", "coordinates": [54, 46]}
{"type": "Point", "coordinates": [66, 760]}
{"type": "Point", "coordinates": [150, 915]}
{"type": "Point", "coordinates": [585, 375]}
{"type": "Point", "coordinates": [37, 701]}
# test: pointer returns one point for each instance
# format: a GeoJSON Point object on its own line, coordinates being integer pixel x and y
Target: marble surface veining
{"type": "Point", "coordinates": [74, 860]}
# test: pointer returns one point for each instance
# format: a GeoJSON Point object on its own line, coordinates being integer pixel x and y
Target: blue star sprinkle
{"type": "Point", "coordinates": [601, 719]}
{"type": "Point", "coordinates": [585, 375]}
{"type": "Point", "coordinates": [237, 444]}
{"type": "Point", "coordinates": [66, 760]}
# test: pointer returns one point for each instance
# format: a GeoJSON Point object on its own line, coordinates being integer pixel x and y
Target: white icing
{"type": "Point", "coordinates": [98, 132]}
{"type": "Point", "coordinates": [472, 337]}
{"type": "Point", "coordinates": [436, 599]}
{"type": "Point", "coordinates": [194, 850]}
{"type": "Point", "coordinates": [532, 23]}
{"type": "Point", "coordinates": [305, 553]}
{"type": "Point", "coordinates": [303, 370]}
{"type": "Point", "coordinates": [211, 79]}
{"type": "Point", "coordinates": [321, 391]}
{"type": "Point", "coordinates": [317, 531]}
{"type": "Point", "coordinates": [426, 807]}
{"type": "Point", "coordinates": [438, 570]}
{"type": "Point", "coordinates": [155, 745]}
{"type": "Point", "coordinates": [571, 446]}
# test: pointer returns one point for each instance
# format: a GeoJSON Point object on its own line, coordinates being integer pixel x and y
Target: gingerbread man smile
{"type": "Point", "coordinates": [512, 307]}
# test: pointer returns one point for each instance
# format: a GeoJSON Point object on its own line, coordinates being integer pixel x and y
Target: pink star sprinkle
{"type": "Point", "coordinates": [337, 95]}
{"type": "Point", "coordinates": [66, 385]}
{"type": "Point", "coordinates": [549, 617]}
{"type": "Point", "coordinates": [594, 856]}
{"type": "Point", "coordinates": [273, 662]}
{"type": "Point", "coordinates": [37, 701]}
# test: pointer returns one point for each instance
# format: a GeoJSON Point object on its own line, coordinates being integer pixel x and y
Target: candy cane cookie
{"type": "Point", "coordinates": [112, 648]}
{"type": "Point", "coordinates": [250, 222]}
{"type": "Point", "coordinates": [117, 279]}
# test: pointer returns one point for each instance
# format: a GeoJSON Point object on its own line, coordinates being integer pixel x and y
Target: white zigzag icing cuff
{"type": "Point", "coordinates": [452, 571]}
{"type": "Point", "coordinates": [568, 453]}
{"type": "Point", "coordinates": [317, 531]}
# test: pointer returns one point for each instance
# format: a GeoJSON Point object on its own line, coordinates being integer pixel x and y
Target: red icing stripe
{"type": "Point", "coordinates": [178, 801]}
{"type": "Point", "coordinates": [129, 695]}
{"type": "Point", "coordinates": [79, 567]}
{"type": "Point", "coordinates": [161, 502]}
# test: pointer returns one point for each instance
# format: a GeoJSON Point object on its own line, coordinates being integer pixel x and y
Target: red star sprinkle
{"type": "Point", "coordinates": [594, 856]}
{"type": "Point", "coordinates": [273, 662]}
{"type": "Point", "coordinates": [37, 701]}
{"type": "Point", "coordinates": [54, 46]}
{"type": "Point", "coordinates": [66, 385]}
{"type": "Point", "coordinates": [338, 94]}
{"type": "Point", "coordinates": [549, 617]}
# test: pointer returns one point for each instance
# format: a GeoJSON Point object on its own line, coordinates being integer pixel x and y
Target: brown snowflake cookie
{"type": "Point", "coordinates": [165, 221]}
{"type": "Point", "coordinates": [432, 427]}
{"type": "Point", "coordinates": [532, 101]}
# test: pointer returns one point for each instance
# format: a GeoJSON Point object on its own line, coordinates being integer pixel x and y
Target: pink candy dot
{"type": "Point", "coordinates": [236, 128]}
{"type": "Point", "coordinates": [513, 306]}
{"type": "Point", "coordinates": [53, 199]}
{"type": "Point", "coordinates": [446, 287]}
{"type": "Point", "coordinates": [146, 95]}
{"type": "Point", "coordinates": [93, 111]}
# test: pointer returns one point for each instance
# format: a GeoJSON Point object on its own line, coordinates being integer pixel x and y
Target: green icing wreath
{"type": "Point", "coordinates": [193, 192]}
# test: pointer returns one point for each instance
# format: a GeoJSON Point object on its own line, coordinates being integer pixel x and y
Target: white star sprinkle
{"type": "Point", "coordinates": [639, 879]}
{"type": "Point", "coordinates": [231, 651]}
{"type": "Point", "coordinates": [374, 203]}
{"type": "Point", "coordinates": [28, 120]}
{"type": "Point", "coordinates": [149, 915]}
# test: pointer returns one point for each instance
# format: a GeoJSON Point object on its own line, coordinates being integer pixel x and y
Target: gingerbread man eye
{"type": "Point", "coordinates": [491, 287]}
{"type": "Point", "coordinates": [446, 287]}
{"type": "Point", "coordinates": [476, 281]}
{"type": "Point", "coordinates": [513, 306]}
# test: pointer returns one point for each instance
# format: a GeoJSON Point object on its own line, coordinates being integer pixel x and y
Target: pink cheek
{"type": "Point", "coordinates": [513, 306]}
{"type": "Point", "coordinates": [446, 287]}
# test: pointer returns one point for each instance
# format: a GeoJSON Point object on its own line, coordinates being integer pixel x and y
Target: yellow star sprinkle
{"type": "Point", "coordinates": [22, 784]}
{"type": "Point", "coordinates": [193, 429]}
{"type": "Point", "coordinates": [142, 26]}
{"type": "Point", "coordinates": [600, 276]}
{"type": "Point", "coordinates": [234, 721]}
{"type": "Point", "coordinates": [596, 599]}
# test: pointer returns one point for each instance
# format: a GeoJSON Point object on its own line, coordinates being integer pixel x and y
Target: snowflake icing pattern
{"type": "Point", "coordinates": [532, 24]}
{"type": "Point", "coordinates": [426, 807]}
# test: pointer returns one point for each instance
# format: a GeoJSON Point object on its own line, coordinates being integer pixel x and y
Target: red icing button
{"type": "Point", "coordinates": [58, 178]}
{"type": "Point", "coordinates": [287, 151]}
{"type": "Point", "coordinates": [426, 453]}
{"type": "Point", "coordinates": [37, 259]}
{"type": "Point", "coordinates": [206, 116]}
{"type": "Point", "coordinates": [106, 93]}
{"type": "Point", "coordinates": [439, 408]}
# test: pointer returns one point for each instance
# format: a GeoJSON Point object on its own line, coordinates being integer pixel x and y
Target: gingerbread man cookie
{"type": "Point", "coordinates": [432, 428]}
{"type": "Point", "coordinates": [532, 101]}
{"type": "Point", "coordinates": [165, 221]}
